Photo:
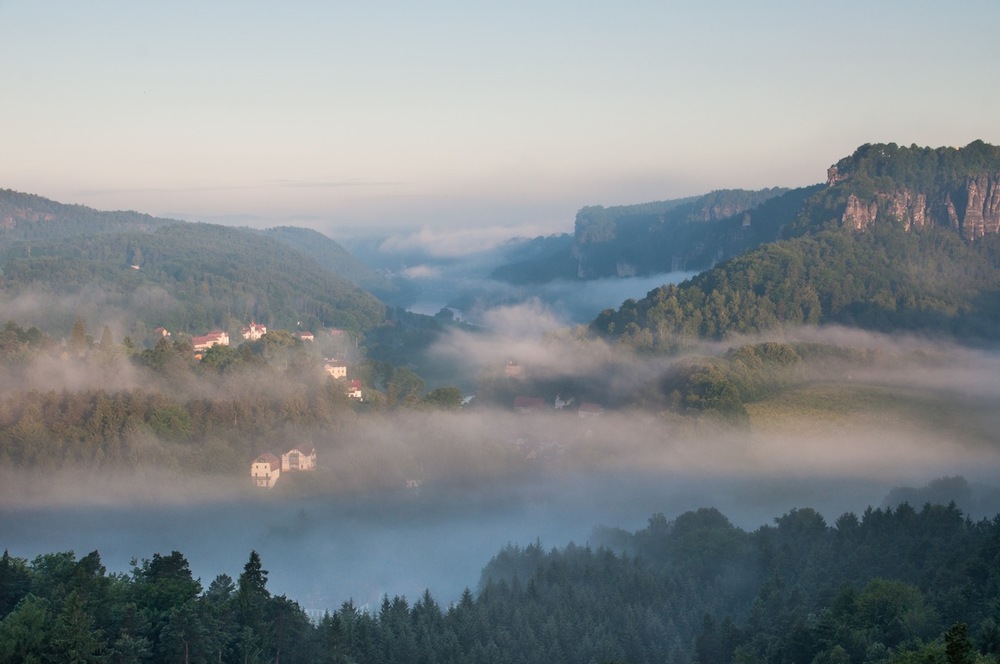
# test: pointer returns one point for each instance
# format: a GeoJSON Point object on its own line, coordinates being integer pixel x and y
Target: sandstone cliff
{"type": "Point", "coordinates": [972, 210]}
{"type": "Point", "coordinates": [958, 188]}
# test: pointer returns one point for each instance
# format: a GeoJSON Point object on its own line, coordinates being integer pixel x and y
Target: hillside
{"type": "Point", "coordinates": [652, 238]}
{"type": "Point", "coordinates": [31, 217]}
{"type": "Point", "coordinates": [183, 276]}
{"type": "Point", "coordinates": [333, 257]}
{"type": "Point", "coordinates": [930, 265]}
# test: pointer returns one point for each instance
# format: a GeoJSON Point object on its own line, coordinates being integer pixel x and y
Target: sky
{"type": "Point", "coordinates": [357, 117]}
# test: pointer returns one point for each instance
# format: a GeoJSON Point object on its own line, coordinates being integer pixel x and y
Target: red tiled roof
{"type": "Point", "coordinates": [529, 402]}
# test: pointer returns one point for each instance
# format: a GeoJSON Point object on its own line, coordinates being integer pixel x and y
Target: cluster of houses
{"type": "Point", "coordinates": [251, 332]}
{"type": "Point", "coordinates": [338, 369]}
{"type": "Point", "coordinates": [334, 367]}
{"type": "Point", "coordinates": [267, 468]}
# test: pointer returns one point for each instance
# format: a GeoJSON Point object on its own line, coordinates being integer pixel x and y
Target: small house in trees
{"type": "Point", "coordinates": [162, 332]}
{"type": "Point", "coordinates": [335, 368]}
{"type": "Point", "coordinates": [253, 331]}
{"type": "Point", "coordinates": [354, 390]}
{"type": "Point", "coordinates": [265, 470]}
{"type": "Point", "coordinates": [306, 336]}
{"type": "Point", "coordinates": [295, 460]}
{"type": "Point", "coordinates": [213, 338]}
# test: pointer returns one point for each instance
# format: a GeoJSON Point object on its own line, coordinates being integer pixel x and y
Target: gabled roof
{"type": "Point", "coordinates": [267, 457]}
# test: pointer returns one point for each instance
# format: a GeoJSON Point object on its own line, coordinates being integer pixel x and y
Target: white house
{"type": "Point", "coordinates": [253, 331]}
{"type": "Point", "coordinates": [213, 338]}
{"type": "Point", "coordinates": [265, 470]}
{"type": "Point", "coordinates": [336, 368]}
{"type": "Point", "coordinates": [295, 459]}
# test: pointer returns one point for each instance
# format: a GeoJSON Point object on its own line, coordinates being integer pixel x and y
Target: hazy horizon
{"type": "Point", "coordinates": [346, 118]}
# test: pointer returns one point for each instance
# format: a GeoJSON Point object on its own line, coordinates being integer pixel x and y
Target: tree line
{"type": "Point", "coordinates": [885, 279]}
{"type": "Point", "coordinates": [895, 585]}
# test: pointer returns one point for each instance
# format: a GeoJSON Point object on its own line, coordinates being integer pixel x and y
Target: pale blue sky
{"type": "Point", "coordinates": [438, 114]}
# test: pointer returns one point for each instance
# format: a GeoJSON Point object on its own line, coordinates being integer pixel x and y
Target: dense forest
{"type": "Point", "coordinates": [334, 258]}
{"type": "Point", "coordinates": [885, 279]}
{"type": "Point", "coordinates": [893, 585]}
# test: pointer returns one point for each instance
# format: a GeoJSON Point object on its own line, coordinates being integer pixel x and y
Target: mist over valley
{"type": "Point", "coordinates": [480, 418]}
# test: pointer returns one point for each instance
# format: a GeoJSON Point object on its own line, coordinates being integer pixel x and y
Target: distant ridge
{"type": "Point", "coordinates": [31, 217]}
{"type": "Point", "coordinates": [650, 238]}
{"type": "Point", "coordinates": [173, 274]}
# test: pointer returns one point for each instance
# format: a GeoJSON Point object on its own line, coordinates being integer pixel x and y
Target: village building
{"type": "Point", "coordinates": [253, 331]}
{"type": "Point", "coordinates": [335, 368]}
{"type": "Point", "coordinates": [588, 409]}
{"type": "Point", "coordinates": [295, 460]}
{"type": "Point", "coordinates": [512, 370]}
{"type": "Point", "coordinates": [162, 332]}
{"type": "Point", "coordinates": [306, 336]}
{"type": "Point", "coordinates": [265, 470]}
{"type": "Point", "coordinates": [529, 404]}
{"type": "Point", "coordinates": [213, 338]}
{"type": "Point", "coordinates": [354, 390]}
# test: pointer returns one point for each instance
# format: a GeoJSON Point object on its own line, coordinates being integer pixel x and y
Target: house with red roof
{"type": "Point", "coordinates": [213, 338]}
{"type": "Point", "coordinates": [529, 404]}
{"type": "Point", "coordinates": [253, 331]}
{"type": "Point", "coordinates": [354, 390]}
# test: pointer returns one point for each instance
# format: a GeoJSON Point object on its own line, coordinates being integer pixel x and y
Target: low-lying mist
{"type": "Point", "coordinates": [409, 499]}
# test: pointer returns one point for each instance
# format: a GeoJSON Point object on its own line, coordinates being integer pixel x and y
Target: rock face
{"type": "Point", "coordinates": [905, 206]}
{"type": "Point", "coordinates": [858, 215]}
{"type": "Point", "coordinates": [981, 215]}
{"type": "Point", "coordinates": [972, 210]}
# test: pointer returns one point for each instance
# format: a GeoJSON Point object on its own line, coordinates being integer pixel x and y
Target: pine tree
{"type": "Point", "coordinates": [251, 598]}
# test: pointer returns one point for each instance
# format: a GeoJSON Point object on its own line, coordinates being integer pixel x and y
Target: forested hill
{"type": "Point", "coordinates": [651, 238]}
{"type": "Point", "coordinates": [332, 257]}
{"type": "Point", "coordinates": [904, 268]}
{"type": "Point", "coordinates": [30, 217]}
{"type": "Point", "coordinates": [183, 276]}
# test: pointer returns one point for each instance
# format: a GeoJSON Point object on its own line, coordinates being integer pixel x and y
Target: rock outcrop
{"type": "Point", "coordinates": [981, 215]}
{"type": "Point", "coordinates": [973, 210]}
